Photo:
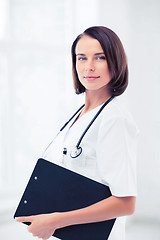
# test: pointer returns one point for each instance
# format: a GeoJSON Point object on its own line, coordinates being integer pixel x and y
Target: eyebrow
{"type": "Point", "coordinates": [82, 54]}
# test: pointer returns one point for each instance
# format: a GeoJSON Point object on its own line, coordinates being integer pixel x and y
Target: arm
{"type": "Point", "coordinates": [44, 225]}
{"type": "Point", "coordinates": [106, 209]}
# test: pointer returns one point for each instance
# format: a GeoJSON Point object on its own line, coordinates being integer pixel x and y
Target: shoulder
{"type": "Point", "coordinates": [116, 113]}
{"type": "Point", "coordinates": [116, 109]}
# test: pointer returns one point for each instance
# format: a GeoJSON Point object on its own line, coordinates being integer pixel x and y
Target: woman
{"type": "Point", "coordinates": [100, 71]}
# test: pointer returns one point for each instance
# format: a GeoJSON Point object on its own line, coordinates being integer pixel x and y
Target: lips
{"type": "Point", "coordinates": [91, 78]}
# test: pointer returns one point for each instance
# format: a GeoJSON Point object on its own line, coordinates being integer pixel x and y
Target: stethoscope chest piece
{"type": "Point", "coordinates": [76, 152]}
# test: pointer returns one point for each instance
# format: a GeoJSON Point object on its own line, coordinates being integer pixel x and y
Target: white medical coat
{"type": "Point", "coordinates": [108, 152]}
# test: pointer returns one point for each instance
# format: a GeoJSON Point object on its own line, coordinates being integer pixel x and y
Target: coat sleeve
{"type": "Point", "coordinates": [116, 155]}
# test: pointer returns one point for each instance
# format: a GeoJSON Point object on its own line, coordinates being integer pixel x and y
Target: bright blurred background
{"type": "Point", "coordinates": [36, 93]}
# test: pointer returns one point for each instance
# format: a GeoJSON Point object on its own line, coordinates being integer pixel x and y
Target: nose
{"type": "Point", "coordinates": [89, 66]}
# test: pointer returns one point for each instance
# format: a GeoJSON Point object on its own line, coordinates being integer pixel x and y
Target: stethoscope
{"type": "Point", "coordinates": [78, 149]}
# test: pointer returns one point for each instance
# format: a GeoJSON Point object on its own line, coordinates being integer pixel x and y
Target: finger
{"type": "Point", "coordinates": [24, 219]}
{"type": "Point", "coordinates": [29, 229]}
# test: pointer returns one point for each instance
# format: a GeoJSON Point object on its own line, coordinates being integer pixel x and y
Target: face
{"type": "Point", "coordinates": [91, 64]}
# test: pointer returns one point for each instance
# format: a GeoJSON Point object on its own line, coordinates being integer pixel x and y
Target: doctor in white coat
{"type": "Point", "coordinates": [109, 147]}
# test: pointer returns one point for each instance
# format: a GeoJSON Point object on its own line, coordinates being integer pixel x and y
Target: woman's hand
{"type": "Point", "coordinates": [42, 226]}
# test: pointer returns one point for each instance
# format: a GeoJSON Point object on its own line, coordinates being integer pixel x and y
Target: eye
{"type": "Point", "coordinates": [82, 58]}
{"type": "Point", "coordinates": [101, 58]}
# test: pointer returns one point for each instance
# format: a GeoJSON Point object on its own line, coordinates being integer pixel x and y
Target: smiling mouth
{"type": "Point", "coordinates": [91, 78]}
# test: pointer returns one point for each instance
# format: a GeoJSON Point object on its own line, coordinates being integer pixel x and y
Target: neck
{"type": "Point", "coordinates": [95, 98]}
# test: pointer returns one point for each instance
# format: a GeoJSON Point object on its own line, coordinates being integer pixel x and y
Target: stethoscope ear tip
{"type": "Point", "coordinates": [76, 152]}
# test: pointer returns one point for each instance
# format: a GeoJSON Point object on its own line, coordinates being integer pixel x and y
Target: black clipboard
{"type": "Point", "coordinates": [52, 188]}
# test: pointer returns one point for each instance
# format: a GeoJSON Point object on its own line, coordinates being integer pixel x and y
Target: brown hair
{"type": "Point", "coordinates": [115, 57]}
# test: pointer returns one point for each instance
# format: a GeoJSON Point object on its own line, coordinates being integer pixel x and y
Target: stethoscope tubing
{"type": "Point", "coordinates": [92, 121]}
{"type": "Point", "coordinates": [78, 149]}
